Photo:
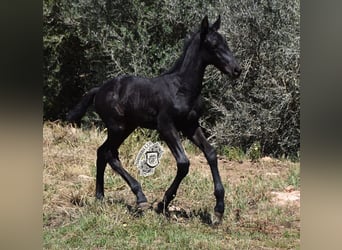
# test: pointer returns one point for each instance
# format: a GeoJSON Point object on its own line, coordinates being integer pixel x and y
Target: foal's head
{"type": "Point", "coordinates": [215, 49]}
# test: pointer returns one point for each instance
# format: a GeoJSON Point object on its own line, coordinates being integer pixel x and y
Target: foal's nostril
{"type": "Point", "coordinates": [237, 71]}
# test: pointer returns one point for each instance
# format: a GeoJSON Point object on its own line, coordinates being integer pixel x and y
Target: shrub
{"type": "Point", "coordinates": [263, 106]}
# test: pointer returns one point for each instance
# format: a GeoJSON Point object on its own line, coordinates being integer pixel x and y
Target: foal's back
{"type": "Point", "coordinates": [135, 100]}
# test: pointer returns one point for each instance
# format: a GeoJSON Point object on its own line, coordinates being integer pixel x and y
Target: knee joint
{"type": "Point", "coordinates": [211, 155]}
{"type": "Point", "coordinates": [136, 187]}
{"type": "Point", "coordinates": [102, 153]}
{"type": "Point", "coordinates": [183, 166]}
{"type": "Point", "coordinates": [219, 192]}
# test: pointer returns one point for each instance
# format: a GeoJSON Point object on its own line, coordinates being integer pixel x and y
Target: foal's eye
{"type": "Point", "coordinates": [213, 43]}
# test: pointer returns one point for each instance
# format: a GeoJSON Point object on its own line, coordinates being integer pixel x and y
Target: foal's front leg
{"type": "Point", "coordinates": [195, 134]}
{"type": "Point", "coordinates": [171, 137]}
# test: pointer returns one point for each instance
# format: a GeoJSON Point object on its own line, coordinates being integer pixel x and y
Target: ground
{"type": "Point", "coordinates": [262, 199]}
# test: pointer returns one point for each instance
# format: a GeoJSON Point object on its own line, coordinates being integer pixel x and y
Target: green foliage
{"type": "Point", "coordinates": [254, 152]}
{"type": "Point", "coordinates": [233, 153]}
{"type": "Point", "coordinates": [87, 42]}
{"type": "Point", "coordinates": [263, 105]}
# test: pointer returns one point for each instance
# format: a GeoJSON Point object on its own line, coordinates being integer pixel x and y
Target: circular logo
{"type": "Point", "coordinates": [148, 158]}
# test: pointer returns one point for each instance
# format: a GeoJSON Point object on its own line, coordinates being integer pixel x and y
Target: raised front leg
{"type": "Point", "coordinates": [197, 137]}
{"type": "Point", "coordinates": [171, 137]}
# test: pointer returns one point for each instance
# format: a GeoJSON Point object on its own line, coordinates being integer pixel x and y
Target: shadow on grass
{"type": "Point", "coordinates": [172, 213]}
{"type": "Point", "coordinates": [202, 214]}
{"type": "Point", "coordinates": [185, 214]}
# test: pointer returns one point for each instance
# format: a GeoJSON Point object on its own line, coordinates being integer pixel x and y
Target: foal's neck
{"type": "Point", "coordinates": [192, 68]}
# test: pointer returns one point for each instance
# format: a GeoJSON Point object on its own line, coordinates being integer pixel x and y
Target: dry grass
{"type": "Point", "coordinates": [254, 219]}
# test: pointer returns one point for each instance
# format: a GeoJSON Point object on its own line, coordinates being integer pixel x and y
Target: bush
{"type": "Point", "coordinates": [88, 41]}
{"type": "Point", "coordinates": [263, 106]}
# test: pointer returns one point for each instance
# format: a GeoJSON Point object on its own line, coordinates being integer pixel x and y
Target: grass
{"type": "Point", "coordinates": [74, 220]}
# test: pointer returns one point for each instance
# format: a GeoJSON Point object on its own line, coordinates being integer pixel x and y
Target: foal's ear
{"type": "Point", "coordinates": [204, 27]}
{"type": "Point", "coordinates": [217, 24]}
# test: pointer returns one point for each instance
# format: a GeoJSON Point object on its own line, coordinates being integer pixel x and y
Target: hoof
{"type": "Point", "coordinates": [217, 218]}
{"type": "Point", "coordinates": [143, 206]}
{"type": "Point", "coordinates": [99, 196]}
{"type": "Point", "coordinates": [160, 208]}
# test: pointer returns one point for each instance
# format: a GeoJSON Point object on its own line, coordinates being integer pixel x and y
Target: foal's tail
{"type": "Point", "coordinates": [79, 110]}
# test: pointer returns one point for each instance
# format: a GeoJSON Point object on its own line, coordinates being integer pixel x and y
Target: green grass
{"type": "Point", "coordinates": [72, 218]}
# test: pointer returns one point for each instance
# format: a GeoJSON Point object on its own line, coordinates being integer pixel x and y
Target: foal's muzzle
{"type": "Point", "coordinates": [236, 72]}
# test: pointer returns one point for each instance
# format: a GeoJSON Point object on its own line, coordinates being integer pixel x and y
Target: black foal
{"type": "Point", "coordinates": [169, 103]}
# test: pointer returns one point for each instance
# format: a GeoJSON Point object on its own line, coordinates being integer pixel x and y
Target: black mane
{"type": "Point", "coordinates": [187, 41]}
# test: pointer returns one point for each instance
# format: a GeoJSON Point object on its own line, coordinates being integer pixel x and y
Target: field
{"type": "Point", "coordinates": [262, 199]}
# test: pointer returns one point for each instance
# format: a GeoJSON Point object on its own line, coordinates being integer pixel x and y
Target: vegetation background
{"type": "Point", "coordinates": [89, 41]}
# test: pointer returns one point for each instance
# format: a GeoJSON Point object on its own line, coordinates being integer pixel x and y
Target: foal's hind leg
{"type": "Point", "coordinates": [101, 162]}
{"type": "Point", "coordinates": [108, 153]}
{"type": "Point", "coordinates": [135, 186]}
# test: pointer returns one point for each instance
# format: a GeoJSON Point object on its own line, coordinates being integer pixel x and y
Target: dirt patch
{"type": "Point", "coordinates": [286, 198]}
{"type": "Point", "coordinates": [234, 172]}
